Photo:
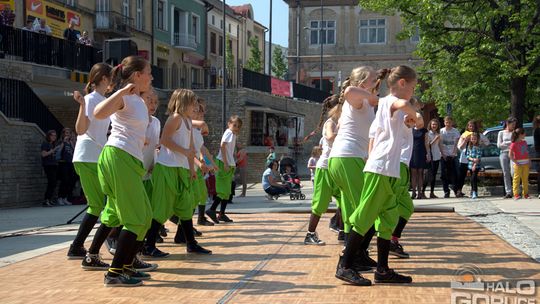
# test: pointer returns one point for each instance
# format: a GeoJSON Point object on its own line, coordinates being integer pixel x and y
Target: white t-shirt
{"type": "Point", "coordinates": [90, 144]}
{"type": "Point", "coordinates": [388, 141]}
{"type": "Point", "coordinates": [406, 146]}
{"type": "Point", "coordinates": [42, 30]}
{"type": "Point", "coordinates": [181, 137]}
{"type": "Point", "coordinates": [149, 149]}
{"type": "Point", "coordinates": [435, 149]}
{"type": "Point", "coordinates": [229, 138]}
{"type": "Point", "coordinates": [353, 134]}
{"type": "Point", "coordinates": [198, 141]}
{"type": "Point", "coordinates": [504, 139]}
{"type": "Point", "coordinates": [129, 126]}
{"type": "Point", "coordinates": [312, 161]}
{"type": "Point", "coordinates": [326, 145]}
{"type": "Point", "coordinates": [449, 139]}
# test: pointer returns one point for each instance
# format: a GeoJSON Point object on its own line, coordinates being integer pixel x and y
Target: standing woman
{"type": "Point", "coordinates": [434, 150]}
{"type": "Point", "coordinates": [504, 139]}
{"type": "Point", "coordinates": [65, 166]}
{"type": "Point", "coordinates": [92, 138]}
{"type": "Point", "coordinates": [350, 148]}
{"type": "Point", "coordinates": [419, 161]}
{"type": "Point", "coordinates": [120, 167]}
{"type": "Point", "coordinates": [50, 166]}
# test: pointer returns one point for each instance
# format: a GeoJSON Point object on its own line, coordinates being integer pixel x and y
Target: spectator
{"type": "Point", "coordinates": [419, 161]}
{"type": "Point", "coordinates": [536, 137]}
{"type": "Point", "coordinates": [504, 139]}
{"type": "Point", "coordinates": [271, 181]}
{"type": "Point", "coordinates": [519, 154]}
{"type": "Point", "coordinates": [474, 155]}
{"type": "Point", "coordinates": [449, 140]}
{"type": "Point", "coordinates": [29, 26]}
{"type": "Point", "coordinates": [85, 39]}
{"type": "Point", "coordinates": [50, 166]}
{"type": "Point", "coordinates": [435, 153]}
{"type": "Point", "coordinates": [271, 156]}
{"type": "Point", "coordinates": [65, 167]}
{"type": "Point", "coordinates": [463, 145]}
{"type": "Point", "coordinates": [241, 166]}
{"type": "Point", "coordinates": [71, 34]}
{"type": "Point", "coordinates": [42, 27]}
{"type": "Point", "coordinates": [312, 162]}
{"type": "Point", "coordinates": [7, 17]}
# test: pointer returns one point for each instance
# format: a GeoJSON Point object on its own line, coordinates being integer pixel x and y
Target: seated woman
{"type": "Point", "coordinates": [271, 181]}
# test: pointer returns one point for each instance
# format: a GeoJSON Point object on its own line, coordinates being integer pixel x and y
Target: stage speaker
{"type": "Point", "coordinates": [115, 50]}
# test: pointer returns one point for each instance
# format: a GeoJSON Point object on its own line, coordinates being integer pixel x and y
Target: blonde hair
{"type": "Point", "coordinates": [237, 119]}
{"type": "Point", "coordinates": [358, 76]}
{"type": "Point", "coordinates": [180, 100]}
{"type": "Point", "coordinates": [316, 151]}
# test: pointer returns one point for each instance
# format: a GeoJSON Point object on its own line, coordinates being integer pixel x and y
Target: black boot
{"type": "Point", "coordinates": [201, 220]}
{"type": "Point", "coordinates": [192, 245]}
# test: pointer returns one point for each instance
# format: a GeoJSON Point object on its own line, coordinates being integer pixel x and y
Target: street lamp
{"type": "Point", "coordinates": [320, 33]}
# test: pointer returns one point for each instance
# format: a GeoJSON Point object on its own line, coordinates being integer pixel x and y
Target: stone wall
{"type": "Point", "coordinates": [22, 180]}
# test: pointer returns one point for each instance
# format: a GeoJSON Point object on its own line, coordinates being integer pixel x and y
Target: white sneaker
{"type": "Point", "coordinates": [269, 197]}
{"type": "Point", "coordinates": [67, 203]}
{"type": "Point", "coordinates": [60, 201]}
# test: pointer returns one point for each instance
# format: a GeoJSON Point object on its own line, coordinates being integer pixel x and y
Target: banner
{"type": "Point", "coordinates": [281, 87]}
{"type": "Point", "coordinates": [57, 17]}
{"type": "Point", "coordinates": [5, 2]}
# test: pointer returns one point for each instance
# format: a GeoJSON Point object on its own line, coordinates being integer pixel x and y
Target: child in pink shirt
{"type": "Point", "coordinates": [519, 155]}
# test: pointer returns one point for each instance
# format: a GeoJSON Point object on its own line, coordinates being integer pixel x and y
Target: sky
{"type": "Point", "coordinates": [280, 17]}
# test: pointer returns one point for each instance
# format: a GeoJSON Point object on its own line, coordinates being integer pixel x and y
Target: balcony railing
{"type": "Point", "coordinates": [184, 41]}
{"type": "Point", "coordinates": [113, 22]}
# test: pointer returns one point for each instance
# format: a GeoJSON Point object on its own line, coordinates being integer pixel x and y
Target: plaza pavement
{"type": "Point", "coordinates": [261, 258]}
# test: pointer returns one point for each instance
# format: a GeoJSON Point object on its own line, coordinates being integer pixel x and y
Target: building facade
{"type": "Point", "coordinates": [349, 35]}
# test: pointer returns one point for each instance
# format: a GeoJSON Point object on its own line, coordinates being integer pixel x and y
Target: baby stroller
{"type": "Point", "coordinates": [288, 171]}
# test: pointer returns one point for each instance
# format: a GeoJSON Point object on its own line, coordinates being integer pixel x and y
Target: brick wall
{"type": "Point", "coordinates": [22, 181]}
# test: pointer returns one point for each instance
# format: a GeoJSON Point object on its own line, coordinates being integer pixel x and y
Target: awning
{"type": "Point", "coordinates": [256, 107]}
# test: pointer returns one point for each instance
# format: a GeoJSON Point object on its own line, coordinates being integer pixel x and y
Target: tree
{"type": "Point", "coordinates": [254, 62]}
{"type": "Point", "coordinates": [478, 54]}
{"type": "Point", "coordinates": [279, 66]}
{"type": "Point", "coordinates": [229, 61]}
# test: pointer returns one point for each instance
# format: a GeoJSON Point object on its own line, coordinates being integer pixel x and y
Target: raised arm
{"type": "Point", "coordinates": [82, 123]}
{"type": "Point", "coordinates": [355, 96]}
{"type": "Point", "coordinates": [114, 103]}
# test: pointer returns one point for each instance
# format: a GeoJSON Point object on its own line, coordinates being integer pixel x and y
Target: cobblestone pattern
{"type": "Point", "coordinates": [505, 225]}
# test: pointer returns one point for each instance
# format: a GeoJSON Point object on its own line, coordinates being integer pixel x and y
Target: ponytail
{"type": "Point", "coordinates": [122, 73]}
{"type": "Point", "coordinates": [381, 75]}
{"type": "Point", "coordinates": [98, 71]}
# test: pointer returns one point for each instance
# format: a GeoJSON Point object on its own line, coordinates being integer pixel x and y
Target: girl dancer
{"type": "Point", "coordinates": [349, 150]}
{"type": "Point", "coordinates": [120, 167]}
{"type": "Point", "coordinates": [382, 171]}
{"type": "Point", "coordinates": [174, 173]}
{"type": "Point", "coordinates": [224, 176]}
{"type": "Point", "coordinates": [323, 186]}
{"type": "Point", "coordinates": [92, 138]}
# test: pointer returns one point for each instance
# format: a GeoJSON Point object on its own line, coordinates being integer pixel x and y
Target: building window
{"type": "Point", "coordinates": [195, 27]}
{"type": "Point", "coordinates": [229, 27]}
{"type": "Point", "coordinates": [213, 43]}
{"type": "Point", "coordinates": [221, 24]}
{"type": "Point", "coordinates": [269, 129]}
{"type": "Point", "coordinates": [249, 36]}
{"type": "Point", "coordinates": [70, 2]}
{"type": "Point", "coordinates": [373, 31]}
{"type": "Point", "coordinates": [161, 15]}
{"type": "Point", "coordinates": [257, 128]}
{"type": "Point", "coordinates": [323, 32]}
{"type": "Point", "coordinates": [213, 20]}
{"type": "Point", "coordinates": [220, 46]}
{"type": "Point", "coordinates": [125, 8]}
{"type": "Point", "coordinates": [139, 15]}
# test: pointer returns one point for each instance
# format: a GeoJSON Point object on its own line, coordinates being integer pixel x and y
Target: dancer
{"type": "Point", "coordinates": [323, 186]}
{"type": "Point", "coordinates": [382, 172]}
{"type": "Point", "coordinates": [120, 168]}
{"type": "Point", "coordinates": [224, 176]}
{"type": "Point", "coordinates": [174, 174]}
{"type": "Point", "coordinates": [92, 138]}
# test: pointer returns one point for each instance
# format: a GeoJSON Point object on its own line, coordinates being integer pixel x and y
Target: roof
{"type": "Point", "coordinates": [244, 10]}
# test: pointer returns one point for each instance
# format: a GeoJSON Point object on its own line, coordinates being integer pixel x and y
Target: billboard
{"type": "Point", "coordinates": [57, 17]}
{"type": "Point", "coordinates": [5, 2]}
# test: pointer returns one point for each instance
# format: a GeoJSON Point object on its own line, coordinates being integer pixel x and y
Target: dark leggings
{"type": "Point", "coordinates": [462, 174]}
{"type": "Point", "coordinates": [474, 180]}
{"type": "Point", "coordinates": [50, 172]}
{"type": "Point", "coordinates": [434, 167]}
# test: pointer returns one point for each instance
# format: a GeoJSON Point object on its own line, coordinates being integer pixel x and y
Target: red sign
{"type": "Point", "coordinates": [281, 87]}
{"type": "Point", "coordinates": [192, 60]}
{"type": "Point", "coordinates": [144, 54]}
